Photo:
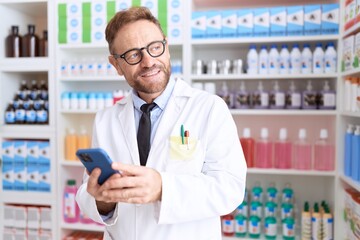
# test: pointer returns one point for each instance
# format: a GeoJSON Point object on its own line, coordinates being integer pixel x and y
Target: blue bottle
{"type": "Point", "coordinates": [347, 158]}
{"type": "Point", "coordinates": [355, 156]}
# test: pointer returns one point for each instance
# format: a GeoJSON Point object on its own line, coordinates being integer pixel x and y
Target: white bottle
{"type": "Point", "coordinates": [330, 58]}
{"type": "Point", "coordinates": [293, 97]}
{"type": "Point", "coordinates": [277, 97]}
{"type": "Point", "coordinates": [306, 59]}
{"type": "Point", "coordinates": [65, 100]}
{"type": "Point", "coordinates": [260, 98]}
{"type": "Point", "coordinates": [74, 101]}
{"type": "Point", "coordinates": [252, 60]}
{"type": "Point", "coordinates": [274, 60]}
{"type": "Point", "coordinates": [318, 59]}
{"type": "Point", "coordinates": [284, 60]}
{"type": "Point", "coordinates": [263, 60]}
{"type": "Point", "coordinates": [295, 60]}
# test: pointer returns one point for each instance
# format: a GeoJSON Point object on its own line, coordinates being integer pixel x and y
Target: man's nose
{"type": "Point", "coordinates": [147, 60]}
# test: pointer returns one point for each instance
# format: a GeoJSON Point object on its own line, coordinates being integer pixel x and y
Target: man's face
{"type": "Point", "coordinates": [150, 76]}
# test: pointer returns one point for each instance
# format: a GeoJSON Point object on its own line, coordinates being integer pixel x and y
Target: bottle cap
{"type": "Point", "coordinates": [71, 131]}
{"type": "Point", "coordinates": [264, 133]}
{"type": "Point", "coordinates": [246, 132]}
{"type": "Point", "coordinates": [323, 134]}
{"type": "Point", "coordinates": [283, 134]}
{"type": "Point", "coordinates": [302, 133]}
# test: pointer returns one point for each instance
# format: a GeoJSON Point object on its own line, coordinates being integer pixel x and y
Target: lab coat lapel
{"type": "Point", "coordinates": [127, 122]}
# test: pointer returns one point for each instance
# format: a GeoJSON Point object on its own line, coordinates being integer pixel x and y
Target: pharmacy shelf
{"type": "Point", "coordinates": [87, 111]}
{"type": "Point", "coordinates": [27, 131]}
{"type": "Point", "coordinates": [100, 46]}
{"type": "Point", "coordinates": [37, 64]}
{"type": "Point", "coordinates": [272, 112]}
{"type": "Point", "coordinates": [228, 77]}
{"type": "Point", "coordinates": [92, 78]}
{"type": "Point", "coordinates": [84, 227]}
{"type": "Point", "coordinates": [291, 172]}
{"type": "Point", "coordinates": [350, 114]}
{"type": "Point", "coordinates": [351, 182]}
{"type": "Point", "coordinates": [270, 40]}
{"type": "Point", "coordinates": [29, 198]}
{"type": "Point", "coordinates": [22, 1]}
{"type": "Point", "coordinates": [351, 73]}
{"type": "Point", "coordinates": [248, 238]}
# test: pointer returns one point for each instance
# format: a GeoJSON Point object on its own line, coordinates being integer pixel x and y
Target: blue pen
{"type": "Point", "coordinates": [182, 133]}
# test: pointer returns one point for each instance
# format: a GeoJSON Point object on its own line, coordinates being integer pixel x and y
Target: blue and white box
{"type": "Point", "coordinates": [229, 23]}
{"type": "Point", "coordinates": [312, 19]}
{"type": "Point", "coordinates": [213, 24]}
{"type": "Point", "coordinates": [8, 165]}
{"type": "Point", "coordinates": [330, 18]}
{"type": "Point", "coordinates": [245, 23]}
{"type": "Point", "coordinates": [295, 21]}
{"type": "Point", "coordinates": [198, 25]}
{"type": "Point", "coordinates": [278, 21]}
{"type": "Point", "coordinates": [261, 22]}
{"type": "Point", "coordinates": [175, 34]}
{"type": "Point", "coordinates": [20, 154]}
{"type": "Point", "coordinates": [44, 167]}
{"type": "Point", "coordinates": [32, 166]}
{"type": "Point", "coordinates": [122, 4]}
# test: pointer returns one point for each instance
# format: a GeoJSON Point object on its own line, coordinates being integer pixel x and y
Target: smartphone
{"type": "Point", "coordinates": [97, 158]}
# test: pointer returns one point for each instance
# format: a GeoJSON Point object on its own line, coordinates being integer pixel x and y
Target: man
{"type": "Point", "coordinates": [195, 170]}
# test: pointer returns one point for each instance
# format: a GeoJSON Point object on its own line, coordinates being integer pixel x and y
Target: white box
{"type": "Point", "coordinates": [7, 165]}
{"type": "Point", "coordinates": [9, 216]}
{"type": "Point", "coordinates": [33, 217]}
{"type": "Point", "coordinates": [175, 34]}
{"type": "Point", "coordinates": [8, 233]}
{"type": "Point", "coordinates": [261, 22]}
{"type": "Point", "coordinates": [122, 4]}
{"type": "Point", "coordinates": [32, 166]}
{"type": "Point", "coordinates": [98, 22]}
{"type": "Point", "coordinates": [312, 19]}
{"type": "Point", "coordinates": [44, 167]}
{"type": "Point", "coordinates": [175, 17]}
{"type": "Point", "coordinates": [278, 21]}
{"type": "Point", "coordinates": [175, 5]}
{"type": "Point", "coordinates": [330, 18]}
{"type": "Point", "coordinates": [348, 52]}
{"type": "Point", "coordinates": [20, 165]}
{"type": "Point", "coordinates": [213, 24]}
{"type": "Point", "coordinates": [98, 35]}
{"type": "Point", "coordinates": [20, 213]}
{"type": "Point", "coordinates": [45, 218]}
{"type": "Point", "coordinates": [198, 24]}
{"type": "Point", "coordinates": [295, 21]}
{"type": "Point", "coordinates": [229, 23]}
{"type": "Point", "coordinates": [33, 234]}
{"type": "Point", "coordinates": [245, 23]}
{"type": "Point", "coordinates": [45, 235]}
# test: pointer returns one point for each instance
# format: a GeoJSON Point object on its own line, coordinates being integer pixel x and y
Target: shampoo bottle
{"type": "Point", "coordinates": [248, 146]}
{"type": "Point", "coordinates": [70, 208]}
{"type": "Point", "coordinates": [282, 151]}
{"type": "Point", "coordinates": [302, 155]}
{"type": "Point", "coordinates": [260, 98]}
{"type": "Point", "coordinates": [277, 97]}
{"type": "Point", "coordinates": [292, 97]}
{"type": "Point", "coordinates": [263, 150]}
{"type": "Point", "coordinates": [309, 97]}
{"type": "Point", "coordinates": [242, 98]}
{"type": "Point", "coordinates": [225, 95]}
{"type": "Point", "coordinates": [324, 153]}
{"type": "Point", "coordinates": [355, 154]}
{"type": "Point", "coordinates": [327, 97]}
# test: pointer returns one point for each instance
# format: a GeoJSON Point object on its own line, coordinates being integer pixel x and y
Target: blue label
{"type": "Point", "coordinates": [30, 116]}
{"type": "Point", "coordinates": [175, 18]}
{"type": "Point", "coordinates": [98, 8]}
{"type": "Point", "coordinates": [10, 117]}
{"type": "Point", "coordinates": [74, 23]}
{"type": "Point", "coordinates": [175, 3]}
{"type": "Point", "coordinates": [73, 36]}
{"type": "Point", "coordinates": [20, 115]}
{"type": "Point", "coordinates": [73, 9]}
{"type": "Point", "coordinates": [41, 116]}
{"type": "Point", "coordinates": [175, 33]}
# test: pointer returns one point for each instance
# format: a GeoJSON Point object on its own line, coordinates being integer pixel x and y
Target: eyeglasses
{"type": "Point", "coordinates": [135, 55]}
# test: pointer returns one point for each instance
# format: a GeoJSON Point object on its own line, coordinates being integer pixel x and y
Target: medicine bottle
{"type": "Point", "coordinates": [70, 145]}
{"type": "Point", "coordinates": [30, 43]}
{"type": "Point", "coordinates": [43, 45]}
{"type": "Point", "coordinates": [13, 43]}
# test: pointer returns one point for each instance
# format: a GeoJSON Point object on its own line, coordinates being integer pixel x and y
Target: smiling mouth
{"type": "Point", "coordinates": [150, 73]}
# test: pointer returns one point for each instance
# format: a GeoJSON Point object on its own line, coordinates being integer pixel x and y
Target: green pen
{"type": "Point", "coordinates": [182, 133]}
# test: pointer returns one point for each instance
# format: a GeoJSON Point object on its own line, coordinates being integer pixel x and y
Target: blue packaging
{"type": "Point", "coordinates": [312, 19]}
{"type": "Point", "coordinates": [32, 167]}
{"type": "Point", "coordinates": [278, 21]}
{"type": "Point", "coordinates": [245, 23]}
{"type": "Point", "coordinates": [7, 165]}
{"type": "Point", "coordinates": [261, 22]}
{"type": "Point", "coordinates": [198, 25]}
{"type": "Point", "coordinates": [295, 21]}
{"type": "Point", "coordinates": [44, 167]}
{"type": "Point", "coordinates": [355, 155]}
{"type": "Point", "coordinates": [213, 24]}
{"type": "Point", "coordinates": [348, 150]}
{"type": "Point", "coordinates": [229, 23]}
{"type": "Point", "coordinates": [330, 18]}
{"type": "Point", "coordinates": [20, 165]}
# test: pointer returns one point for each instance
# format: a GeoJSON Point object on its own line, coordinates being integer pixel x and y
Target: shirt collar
{"type": "Point", "coordinates": [160, 101]}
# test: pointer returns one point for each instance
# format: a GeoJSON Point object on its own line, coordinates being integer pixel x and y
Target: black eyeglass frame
{"type": "Point", "coordinates": [117, 56]}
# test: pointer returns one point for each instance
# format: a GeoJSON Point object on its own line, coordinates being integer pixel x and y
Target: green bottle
{"type": "Point", "coordinates": [272, 193]}
{"type": "Point", "coordinates": [257, 193]}
{"type": "Point", "coordinates": [270, 226]}
{"type": "Point", "coordinates": [288, 228]}
{"type": "Point", "coordinates": [254, 225]}
{"type": "Point", "coordinates": [241, 223]}
{"type": "Point", "coordinates": [287, 194]}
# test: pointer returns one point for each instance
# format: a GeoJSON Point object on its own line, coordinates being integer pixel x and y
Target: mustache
{"type": "Point", "coordinates": [150, 69]}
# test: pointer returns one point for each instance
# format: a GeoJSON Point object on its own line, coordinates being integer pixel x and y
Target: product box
{"type": "Point", "coordinates": [245, 23]}
{"type": "Point", "coordinates": [72, 36]}
{"type": "Point", "coordinates": [7, 165]}
{"type": "Point", "coordinates": [44, 167]}
{"type": "Point", "coordinates": [33, 233]}
{"type": "Point", "coordinates": [45, 216]}
{"type": "Point", "coordinates": [175, 34]}
{"type": "Point", "coordinates": [8, 233]}
{"type": "Point", "coordinates": [213, 24]}
{"type": "Point", "coordinates": [350, 13]}
{"type": "Point", "coordinates": [312, 19]}
{"type": "Point", "coordinates": [295, 21]}
{"type": "Point", "coordinates": [330, 18]}
{"type": "Point", "coordinates": [32, 166]}
{"type": "Point", "coordinates": [348, 53]}
{"type": "Point", "coordinates": [356, 53]}
{"type": "Point", "coordinates": [33, 217]}
{"type": "Point", "coordinates": [278, 21]}
{"type": "Point", "coordinates": [20, 165]}
{"type": "Point", "coordinates": [9, 216]}
{"type": "Point", "coordinates": [198, 25]}
{"type": "Point", "coordinates": [122, 4]}
{"type": "Point", "coordinates": [229, 23]}
{"type": "Point", "coordinates": [20, 213]}
{"type": "Point", "coordinates": [261, 22]}
{"type": "Point", "coordinates": [174, 18]}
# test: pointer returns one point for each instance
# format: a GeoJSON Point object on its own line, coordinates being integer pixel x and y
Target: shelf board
{"type": "Point", "coordinates": [27, 131]}
{"type": "Point", "coordinates": [37, 64]}
{"type": "Point", "coordinates": [84, 227]}
{"type": "Point", "coordinates": [206, 77]}
{"type": "Point", "coordinates": [354, 184]}
{"type": "Point", "coordinates": [291, 172]}
{"type": "Point", "coordinates": [350, 114]}
{"type": "Point", "coordinates": [242, 112]}
{"type": "Point", "coordinates": [31, 198]}
{"type": "Point", "coordinates": [80, 111]}
{"type": "Point", "coordinates": [268, 39]}
{"type": "Point", "coordinates": [107, 78]}
{"type": "Point", "coordinates": [351, 73]}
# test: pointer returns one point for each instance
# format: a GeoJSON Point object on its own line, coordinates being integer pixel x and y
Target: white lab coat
{"type": "Point", "coordinates": [199, 184]}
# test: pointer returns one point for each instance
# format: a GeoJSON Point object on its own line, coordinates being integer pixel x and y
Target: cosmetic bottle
{"type": "Point", "coordinates": [263, 150]}
{"type": "Point", "coordinates": [242, 98]}
{"type": "Point", "coordinates": [248, 146]}
{"type": "Point", "coordinates": [309, 97]}
{"type": "Point", "coordinates": [327, 97]}
{"type": "Point", "coordinates": [260, 98]}
{"type": "Point", "coordinates": [302, 152]}
{"type": "Point", "coordinates": [324, 153]}
{"type": "Point", "coordinates": [283, 151]}
{"type": "Point", "coordinates": [292, 97]}
{"type": "Point", "coordinates": [277, 97]}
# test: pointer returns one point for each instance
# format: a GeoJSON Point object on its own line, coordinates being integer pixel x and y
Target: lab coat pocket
{"type": "Point", "coordinates": [183, 152]}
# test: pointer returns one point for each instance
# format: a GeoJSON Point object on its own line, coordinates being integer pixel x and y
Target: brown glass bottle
{"type": "Point", "coordinates": [13, 43]}
{"type": "Point", "coordinates": [43, 45]}
{"type": "Point", "coordinates": [30, 43]}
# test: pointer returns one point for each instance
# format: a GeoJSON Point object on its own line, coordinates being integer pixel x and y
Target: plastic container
{"type": "Point", "coordinates": [228, 225]}
{"type": "Point", "coordinates": [327, 97]}
{"type": "Point", "coordinates": [263, 60]}
{"type": "Point", "coordinates": [242, 98]}
{"type": "Point", "coordinates": [306, 60]}
{"type": "Point", "coordinates": [284, 60]}
{"type": "Point", "coordinates": [225, 95]}
{"type": "Point", "coordinates": [355, 154]}
{"type": "Point", "coordinates": [283, 151]}
{"type": "Point", "coordinates": [324, 153]}
{"type": "Point", "coordinates": [260, 98]}
{"type": "Point", "coordinates": [295, 60]}
{"type": "Point", "coordinates": [292, 97]}
{"type": "Point", "coordinates": [264, 150]}
{"type": "Point", "coordinates": [30, 43]}
{"type": "Point", "coordinates": [277, 97]}
{"type": "Point", "coordinates": [248, 146]}
{"type": "Point", "coordinates": [318, 59]}
{"type": "Point", "coordinates": [70, 208]}
{"type": "Point", "coordinates": [71, 145]}
{"type": "Point", "coordinates": [302, 152]}
{"type": "Point", "coordinates": [309, 97]}
{"type": "Point", "coordinates": [252, 60]}
{"type": "Point", "coordinates": [274, 60]}
{"type": "Point", "coordinates": [83, 139]}
{"type": "Point", "coordinates": [13, 43]}
{"type": "Point", "coordinates": [330, 58]}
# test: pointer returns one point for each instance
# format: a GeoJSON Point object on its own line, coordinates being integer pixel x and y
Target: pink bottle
{"type": "Point", "coordinates": [324, 153]}
{"type": "Point", "coordinates": [263, 150]}
{"type": "Point", "coordinates": [282, 151]}
{"type": "Point", "coordinates": [70, 208]}
{"type": "Point", "coordinates": [302, 152]}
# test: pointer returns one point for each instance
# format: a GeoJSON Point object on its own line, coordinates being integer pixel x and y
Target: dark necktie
{"type": "Point", "coordinates": [144, 131]}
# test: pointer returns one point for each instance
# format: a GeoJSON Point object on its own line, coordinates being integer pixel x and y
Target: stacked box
{"type": "Point", "coordinates": [20, 165]}
{"type": "Point", "coordinates": [330, 18]}
{"type": "Point", "coordinates": [245, 23]}
{"type": "Point", "coordinates": [198, 25]}
{"type": "Point", "coordinates": [44, 167]}
{"type": "Point", "coordinates": [213, 24]}
{"type": "Point", "coordinates": [229, 23]}
{"type": "Point", "coordinates": [295, 21]}
{"type": "Point", "coordinates": [8, 165]}
{"type": "Point", "coordinates": [261, 22]}
{"type": "Point", "coordinates": [174, 19]}
{"type": "Point", "coordinates": [32, 149]}
{"type": "Point", "coordinates": [278, 21]}
{"type": "Point", "coordinates": [312, 19]}
{"type": "Point", "coordinates": [98, 21]}
{"type": "Point", "coordinates": [348, 53]}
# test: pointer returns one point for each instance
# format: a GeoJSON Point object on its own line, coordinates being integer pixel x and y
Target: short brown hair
{"type": "Point", "coordinates": [127, 16]}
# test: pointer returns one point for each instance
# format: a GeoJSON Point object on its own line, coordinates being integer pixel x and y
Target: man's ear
{"type": "Point", "coordinates": [115, 63]}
